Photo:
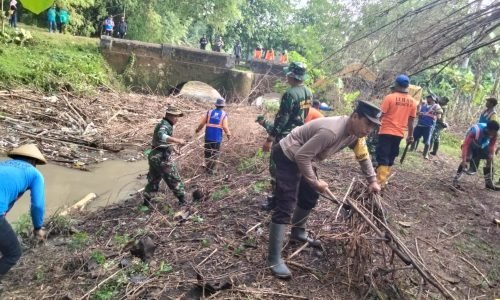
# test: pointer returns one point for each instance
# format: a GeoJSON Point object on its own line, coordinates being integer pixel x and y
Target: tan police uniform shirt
{"type": "Point", "coordinates": [323, 137]}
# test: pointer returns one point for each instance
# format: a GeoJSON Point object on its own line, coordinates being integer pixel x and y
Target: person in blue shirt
{"type": "Point", "coordinates": [18, 175]}
{"type": "Point", "coordinates": [51, 19]}
{"type": "Point", "coordinates": [429, 113]}
{"type": "Point", "coordinates": [216, 123]}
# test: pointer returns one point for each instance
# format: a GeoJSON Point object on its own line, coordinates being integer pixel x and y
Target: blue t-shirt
{"type": "Point", "coordinates": [16, 177]}
{"type": "Point", "coordinates": [51, 15]}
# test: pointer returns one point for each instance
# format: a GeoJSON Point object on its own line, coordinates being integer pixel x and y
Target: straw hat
{"type": "Point", "coordinates": [29, 150]}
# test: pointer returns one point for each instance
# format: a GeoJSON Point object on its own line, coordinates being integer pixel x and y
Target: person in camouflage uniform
{"type": "Point", "coordinates": [161, 165]}
{"type": "Point", "coordinates": [440, 126]}
{"type": "Point", "coordinates": [294, 106]}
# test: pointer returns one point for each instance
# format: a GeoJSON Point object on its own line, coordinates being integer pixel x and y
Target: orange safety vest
{"type": "Point", "coordinates": [257, 54]}
{"type": "Point", "coordinates": [270, 55]}
{"type": "Point", "coordinates": [283, 58]}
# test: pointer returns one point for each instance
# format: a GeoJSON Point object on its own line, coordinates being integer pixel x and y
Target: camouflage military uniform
{"type": "Point", "coordinates": [291, 114]}
{"type": "Point", "coordinates": [160, 164]}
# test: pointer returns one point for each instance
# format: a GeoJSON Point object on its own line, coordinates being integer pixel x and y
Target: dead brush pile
{"type": "Point", "coordinates": [215, 248]}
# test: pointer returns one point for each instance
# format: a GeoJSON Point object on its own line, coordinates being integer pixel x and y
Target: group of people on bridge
{"type": "Point", "coordinates": [299, 136]}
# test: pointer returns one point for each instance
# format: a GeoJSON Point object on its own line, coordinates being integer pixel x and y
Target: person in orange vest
{"type": "Point", "coordinates": [284, 57]}
{"type": "Point", "coordinates": [314, 112]}
{"type": "Point", "coordinates": [258, 52]}
{"type": "Point", "coordinates": [215, 121]}
{"type": "Point", "coordinates": [270, 55]}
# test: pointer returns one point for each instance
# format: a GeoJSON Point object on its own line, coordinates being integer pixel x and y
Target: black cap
{"type": "Point", "coordinates": [369, 111]}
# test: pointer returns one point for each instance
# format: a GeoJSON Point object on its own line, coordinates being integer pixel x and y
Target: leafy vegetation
{"type": "Point", "coordinates": [69, 63]}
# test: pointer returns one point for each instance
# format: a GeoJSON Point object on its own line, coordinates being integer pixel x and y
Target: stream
{"type": "Point", "coordinates": [113, 181]}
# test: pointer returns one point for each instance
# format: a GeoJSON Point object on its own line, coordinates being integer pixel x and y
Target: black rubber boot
{"type": "Point", "coordinates": [182, 200]}
{"type": "Point", "coordinates": [147, 200]}
{"type": "Point", "coordinates": [269, 204]}
{"type": "Point", "coordinates": [274, 260]}
{"type": "Point", "coordinates": [488, 179]}
{"type": "Point", "coordinates": [426, 151]}
{"type": "Point", "coordinates": [460, 173]}
{"type": "Point", "coordinates": [414, 146]}
{"type": "Point", "coordinates": [299, 233]}
{"type": "Point", "coordinates": [435, 148]}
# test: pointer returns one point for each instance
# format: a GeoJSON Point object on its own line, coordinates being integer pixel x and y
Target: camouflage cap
{"type": "Point", "coordinates": [297, 70]}
{"type": "Point", "coordinates": [259, 118]}
{"type": "Point", "coordinates": [172, 111]}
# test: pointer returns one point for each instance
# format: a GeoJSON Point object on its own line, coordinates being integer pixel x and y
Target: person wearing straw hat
{"type": "Point", "coordinates": [215, 121]}
{"type": "Point", "coordinates": [161, 166]}
{"type": "Point", "coordinates": [297, 184]}
{"type": "Point", "coordinates": [293, 110]}
{"type": "Point", "coordinates": [18, 175]}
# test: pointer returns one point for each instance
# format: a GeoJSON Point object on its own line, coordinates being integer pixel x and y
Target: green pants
{"type": "Point", "coordinates": [161, 167]}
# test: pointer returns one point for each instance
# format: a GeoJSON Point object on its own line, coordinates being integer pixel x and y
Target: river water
{"type": "Point", "coordinates": [112, 181]}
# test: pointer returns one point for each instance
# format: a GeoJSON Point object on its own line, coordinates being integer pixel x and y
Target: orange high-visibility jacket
{"type": "Point", "coordinates": [283, 58]}
{"type": "Point", "coordinates": [270, 55]}
{"type": "Point", "coordinates": [257, 54]}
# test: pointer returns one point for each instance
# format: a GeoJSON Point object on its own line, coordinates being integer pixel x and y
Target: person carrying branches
{"type": "Point", "coordinates": [161, 165]}
{"type": "Point", "coordinates": [297, 183]}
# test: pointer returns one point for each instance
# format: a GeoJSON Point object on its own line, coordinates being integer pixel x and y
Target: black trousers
{"type": "Point", "coordinates": [212, 150]}
{"type": "Point", "coordinates": [387, 149]}
{"type": "Point", "coordinates": [291, 189]}
{"type": "Point", "coordinates": [9, 247]}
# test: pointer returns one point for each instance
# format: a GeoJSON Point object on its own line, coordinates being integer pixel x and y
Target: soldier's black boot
{"type": "Point", "coordinates": [458, 176]}
{"type": "Point", "coordinates": [269, 204]}
{"type": "Point", "coordinates": [274, 260]}
{"type": "Point", "coordinates": [146, 200]}
{"type": "Point", "coordinates": [182, 200]}
{"type": "Point", "coordinates": [488, 179]}
{"type": "Point", "coordinates": [299, 233]}
{"type": "Point", "coordinates": [426, 151]}
{"type": "Point", "coordinates": [435, 148]}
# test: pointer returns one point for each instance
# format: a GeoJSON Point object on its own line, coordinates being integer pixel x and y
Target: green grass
{"type": "Point", "coordinates": [50, 62]}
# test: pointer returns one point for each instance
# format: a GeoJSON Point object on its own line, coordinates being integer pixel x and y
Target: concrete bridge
{"type": "Point", "coordinates": [164, 68]}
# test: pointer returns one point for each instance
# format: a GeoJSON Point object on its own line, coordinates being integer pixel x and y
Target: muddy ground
{"type": "Point", "coordinates": [216, 249]}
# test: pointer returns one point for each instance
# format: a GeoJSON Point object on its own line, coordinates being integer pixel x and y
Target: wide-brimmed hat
{"type": "Point", "coordinates": [369, 111]}
{"type": "Point", "coordinates": [28, 150]}
{"type": "Point", "coordinates": [220, 102]}
{"type": "Point", "coordinates": [297, 70]}
{"type": "Point", "coordinates": [172, 111]}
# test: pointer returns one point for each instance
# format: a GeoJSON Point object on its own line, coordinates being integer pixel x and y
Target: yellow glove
{"type": "Point", "coordinates": [361, 150]}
